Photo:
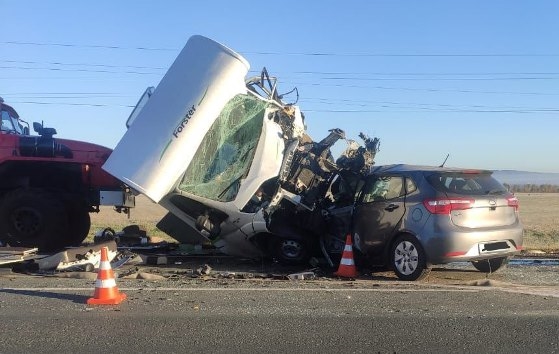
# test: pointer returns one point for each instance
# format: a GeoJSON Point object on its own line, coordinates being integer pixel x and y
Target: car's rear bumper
{"type": "Point", "coordinates": [463, 245]}
{"type": "Point", "coordinates": [479, 251]}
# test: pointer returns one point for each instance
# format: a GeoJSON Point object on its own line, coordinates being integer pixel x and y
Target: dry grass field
{"type": "Point", "coordinates": [539, 213]}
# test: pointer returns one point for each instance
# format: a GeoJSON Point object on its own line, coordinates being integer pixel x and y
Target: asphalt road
{"type": "Point", "coordinates": [216, 315]}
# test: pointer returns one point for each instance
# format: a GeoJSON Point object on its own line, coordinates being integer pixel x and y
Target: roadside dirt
{"type": "Point", "coordinates": [220, 270]}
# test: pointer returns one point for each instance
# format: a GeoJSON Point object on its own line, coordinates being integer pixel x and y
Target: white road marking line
{"type": "Point", "coordinates": [539, 291]}
{"type": "Point", "coordinates": [254, 289]}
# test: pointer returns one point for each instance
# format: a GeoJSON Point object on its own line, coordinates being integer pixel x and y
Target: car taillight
{"type": "Point", "coordinates": [513, 202]}
{"type": "Point", "coordinates": [446, 205]}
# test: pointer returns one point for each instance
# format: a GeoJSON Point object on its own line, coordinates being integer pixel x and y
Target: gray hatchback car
{"type": "Point", "coordinates": [411, 217]}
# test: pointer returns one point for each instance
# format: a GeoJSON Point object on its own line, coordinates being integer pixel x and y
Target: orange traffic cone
{"type": "Point", "coordinates": [106, 292]}
{"type": "Point", "coordinates": [347, 265]}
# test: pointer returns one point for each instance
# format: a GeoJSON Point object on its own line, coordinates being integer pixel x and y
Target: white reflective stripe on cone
{"type": "Point", "coordinates": [348, 248]}
{"type": "Point", "coordinates": [107, 283]}
{"type": "Point", "coordinates": [104, 265]}
{"type": "Point", "coordinates": [347, 261]}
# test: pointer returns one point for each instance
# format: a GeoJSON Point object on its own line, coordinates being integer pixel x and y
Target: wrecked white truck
{"type": "Point", "coordinates": [232, 163]}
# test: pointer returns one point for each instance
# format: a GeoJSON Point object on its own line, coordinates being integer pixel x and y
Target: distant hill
{"type": "Point", "coordinates": [513, 177]}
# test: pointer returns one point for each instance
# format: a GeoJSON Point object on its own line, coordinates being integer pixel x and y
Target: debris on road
{"type": "Point", "coordinates": [204, 270]}
{"type": "Point", "coordinates": [133, 238]}
{"type": "Point", "coordinates": [144, 276]}
{"type": "Point", "coordinates": [302, 276]}
{"type": "Point", "coordinates": [86, 258]}
{"type": "Point", "coordinates": [16, 254]}
{"type": "Point", "coordinates": [133, 252]}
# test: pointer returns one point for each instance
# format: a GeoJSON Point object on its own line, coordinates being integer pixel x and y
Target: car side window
{"type": "Point", "coordinates": [410, 186]}
{"type": "Point", "coordinates": [383, 188]}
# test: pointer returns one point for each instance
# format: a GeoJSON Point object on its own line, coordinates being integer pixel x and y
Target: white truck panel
{"type": "Point", "coordinates": [203, 78]}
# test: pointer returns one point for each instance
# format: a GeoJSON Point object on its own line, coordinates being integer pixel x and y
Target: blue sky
{"type": "Point", "coordinates": [478, 80]}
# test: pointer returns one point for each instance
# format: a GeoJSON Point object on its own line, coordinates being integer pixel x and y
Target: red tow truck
{"type": "Point", "coordinates": [48, 186]}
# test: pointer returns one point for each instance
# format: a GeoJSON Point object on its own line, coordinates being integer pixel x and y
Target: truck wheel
{"type": "Point", "coordinates": [79, 223]}
{"type": "Point", "coordinates": [32, 218]}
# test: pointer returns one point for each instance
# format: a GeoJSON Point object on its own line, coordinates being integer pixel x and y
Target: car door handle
{"type": "Point", "coordinates": [392, 207]}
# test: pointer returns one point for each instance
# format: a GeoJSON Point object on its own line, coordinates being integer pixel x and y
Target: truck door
{"type": "Point", "coordinates": [378, 212]}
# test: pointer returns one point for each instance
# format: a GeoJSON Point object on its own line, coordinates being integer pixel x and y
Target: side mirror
{"type": "Point", "coordinates": [37, 127]}
{"type": "Point", "coordinates": [25, 130]}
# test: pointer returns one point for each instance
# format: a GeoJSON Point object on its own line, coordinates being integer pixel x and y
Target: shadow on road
{"type": "Point", "coordinates": [80, 299]}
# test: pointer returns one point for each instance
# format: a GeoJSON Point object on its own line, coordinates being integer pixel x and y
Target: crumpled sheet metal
{"type": "Point", "coordinates": [77, 258]}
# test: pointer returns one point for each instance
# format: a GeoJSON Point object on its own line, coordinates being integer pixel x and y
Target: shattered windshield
{"type": "Point", "coordinates": [226, 153]}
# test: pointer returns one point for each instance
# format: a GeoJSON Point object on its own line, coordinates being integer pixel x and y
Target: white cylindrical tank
{"type": "Point", "coordinates": [159, 145]}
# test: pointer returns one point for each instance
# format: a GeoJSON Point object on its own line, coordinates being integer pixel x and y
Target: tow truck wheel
{"type": "Point", "coordinates": [290, 251]}
{"type": "Point", "coordinates": [79, 223]}
{"type": "Point", "coordinates": [32, 218]}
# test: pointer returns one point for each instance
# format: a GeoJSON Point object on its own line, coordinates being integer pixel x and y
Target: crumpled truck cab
{"type": "Point", "coordinates": [206, 146]}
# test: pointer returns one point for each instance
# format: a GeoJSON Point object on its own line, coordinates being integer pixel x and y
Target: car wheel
{"type": "Point", "coordinates": [290, 251]}
{"type": "Point", "coordinates": [408, 259]}
{"type": "Point", "coordinates": [490, 265]}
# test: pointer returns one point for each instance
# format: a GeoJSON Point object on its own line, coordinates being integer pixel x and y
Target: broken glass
{"type": "Point", "coordinates": [225, 155]}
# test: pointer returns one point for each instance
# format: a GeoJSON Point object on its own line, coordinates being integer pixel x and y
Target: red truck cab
{"type": "Point", "coordinates": [49, 185]}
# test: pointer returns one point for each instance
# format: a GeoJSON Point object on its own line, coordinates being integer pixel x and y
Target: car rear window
{"type": "Point", "coordinates": [465, 183]}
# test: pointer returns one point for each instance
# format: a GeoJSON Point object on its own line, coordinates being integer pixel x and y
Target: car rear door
{"type": "Point", "coordinates": [379, 210]}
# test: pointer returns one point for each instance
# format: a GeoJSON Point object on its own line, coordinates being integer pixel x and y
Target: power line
{"type": "Point", "coordinates": [341, 78]}
{"type": "Point", "coordinates": [421, 74]}
{"type": "Point", "coordinates": [365, 103]}
{"type": "Point", "coordinates": [81, 64]}
{"type": "Point", "coordinates": [431, 110]}
{"type": "Point", "coordinates": [322, 78]}
{"type": "Point", "coordinates": [322, 54]}
{"type": "Point", "coordinates": [115, 94]}
{"type": "Point", "coordinates": [436, 79]}
{"type": "Point", "coordinates": [430, 89]}
{"type": "Point", "coordinates": [255, 72]}
{"type": "Point", "coordinates": [80, 70]}
{"type": "Point", "coordinates": [73, 104]}
{"type": "Point", "coordinates": [72, 45]}
{"type": "Point", "coordinates": [403, 55]}
{"type": "Point", "coordinates": [51, 97]}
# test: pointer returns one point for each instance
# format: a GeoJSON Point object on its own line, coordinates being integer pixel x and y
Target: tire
{"type": "Point", "coordinates": [79, 223]}
{"type": "Point", "coordinates": [290, 251]}
{"type": "Point", "coordinates": [491, 265]}
{"type": "Point", "coordinates": [32, 218]}
{"type": "Point", "coordinates": [408, 259]}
